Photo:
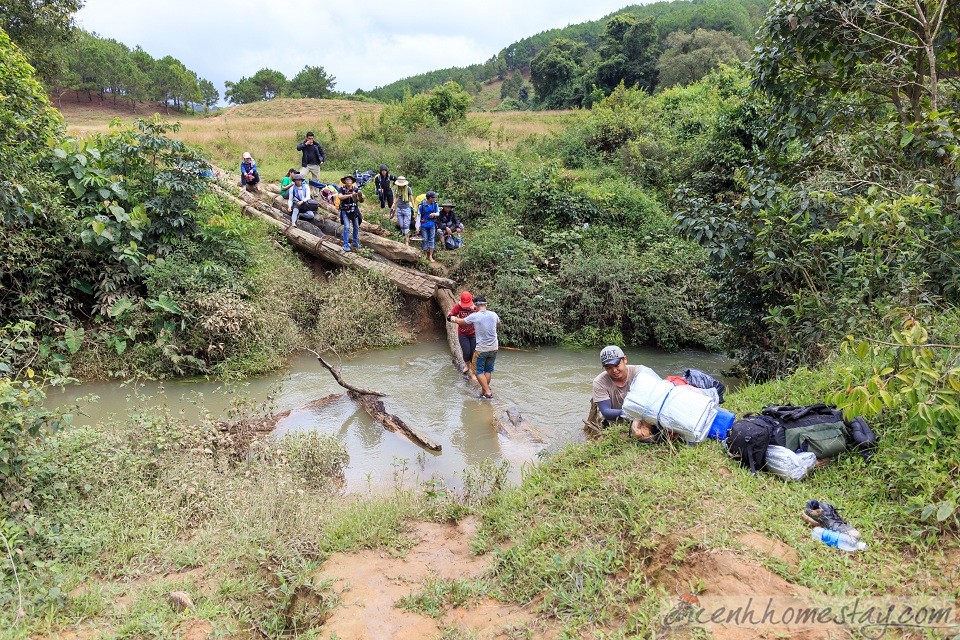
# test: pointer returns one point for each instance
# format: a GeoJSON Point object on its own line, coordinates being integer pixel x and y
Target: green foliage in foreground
{"type": "Point", "coordinates": [116, 509]}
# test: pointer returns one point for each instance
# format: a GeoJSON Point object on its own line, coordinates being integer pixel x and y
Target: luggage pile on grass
{"type": "Point", "coordinates": [784, 440]}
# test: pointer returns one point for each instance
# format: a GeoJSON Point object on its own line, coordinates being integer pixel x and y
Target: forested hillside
{"type": "Point", "coordinates": [737, 18]}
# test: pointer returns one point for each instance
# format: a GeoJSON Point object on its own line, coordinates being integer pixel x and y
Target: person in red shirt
{"type": "Point", "coordinates": [465, 332]}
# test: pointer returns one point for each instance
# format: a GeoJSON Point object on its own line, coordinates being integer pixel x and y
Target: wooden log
{"type": "Point", "coordinates": [375, 409]}
{"type": "Point", "coordinates": [349, 387]}
{"type": "Point", "coordinates": [373, 405]}
{"type": "Point", "coordinates": [407, 280]}
{"type": "Point", "coordinates": [332, 213]}
{"type": "Point", "coordinates": [391, 249]}
{"type": "Point", "coordinates": [445, 300]}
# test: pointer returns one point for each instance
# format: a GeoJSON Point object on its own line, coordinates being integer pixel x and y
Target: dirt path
{"type": "Point", "coordinates": [371, 583]}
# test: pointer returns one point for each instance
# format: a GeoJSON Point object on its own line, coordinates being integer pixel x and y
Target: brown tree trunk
{"type": "Point", "coordinates": [373, 405]}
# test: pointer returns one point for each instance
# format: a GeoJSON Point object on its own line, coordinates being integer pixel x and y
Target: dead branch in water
{"type": "Point", "coordinates": [349, 387]}
{"type": "Point", "coordinates": [373, 405]}
{"type": "Point", "coordinates": [375, 409]}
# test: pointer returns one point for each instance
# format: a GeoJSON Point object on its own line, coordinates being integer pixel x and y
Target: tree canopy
{"type": "Point", "coordinates": [39, 28]}
{"type": "Point", "coordinates": [690, 56]}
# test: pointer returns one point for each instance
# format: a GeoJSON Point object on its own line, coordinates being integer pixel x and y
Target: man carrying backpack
{"type": "Point", "coordinates": [610, 388]}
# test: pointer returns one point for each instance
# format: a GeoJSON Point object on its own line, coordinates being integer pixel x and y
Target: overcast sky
{"type": "Point", "coordinates": [362, 44]}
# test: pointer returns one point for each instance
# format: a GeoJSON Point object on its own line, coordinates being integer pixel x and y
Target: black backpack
{"type": "Point", "coordinates": [817, 428]}
{"type": "Point", "coordinates": [864, 439]}
{"type": "Point", "coordinates": [748, 439]}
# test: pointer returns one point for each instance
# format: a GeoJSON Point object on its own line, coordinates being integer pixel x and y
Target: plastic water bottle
{"type": "Point", "coordinates": [838, 540]}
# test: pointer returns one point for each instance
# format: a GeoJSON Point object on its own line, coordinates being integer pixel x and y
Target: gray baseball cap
{"type": "Point", "coordinates": [611, 355]}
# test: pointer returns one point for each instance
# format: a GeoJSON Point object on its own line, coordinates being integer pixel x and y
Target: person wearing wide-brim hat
{"type": "Point", "coordinates": [402, 207]}
{"type": "Point", "coordinates": [449, 226]}
{"type": "Point", "coordinates": [348, 202]}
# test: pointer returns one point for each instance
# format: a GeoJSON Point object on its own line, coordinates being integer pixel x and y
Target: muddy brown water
{"type": "Point", "coordinates": [551, 387]}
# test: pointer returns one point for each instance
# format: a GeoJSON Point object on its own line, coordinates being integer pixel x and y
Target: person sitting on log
{"type": "Point", "coordinates": [249, 176]}
{"type": "Point", "coordinates": [287, 182]}
{"type": "Point", "coordinates": [348, 202]}
{"type": "Point", "coordinates": [449, 227]}
{"type": "Point", "coordinates": [299, 202]}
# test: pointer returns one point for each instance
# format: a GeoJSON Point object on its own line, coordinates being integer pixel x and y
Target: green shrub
{"type": "Point", "coordinates": [908, 386]}
{"type": "Point", "coordinates": [358, 309]}
{"type": "Point", "coordinates": [313, 458]}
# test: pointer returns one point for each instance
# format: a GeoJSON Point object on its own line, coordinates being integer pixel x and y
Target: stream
{"type": "Point", "coordinates": [551, 387]}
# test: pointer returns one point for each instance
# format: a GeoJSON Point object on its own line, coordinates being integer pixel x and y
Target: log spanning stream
{"type": "Point", "coordinates": [551, 388]}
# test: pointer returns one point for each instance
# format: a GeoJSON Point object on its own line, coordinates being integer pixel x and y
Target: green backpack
{"type": "Point", "coordinates": [817, 428]}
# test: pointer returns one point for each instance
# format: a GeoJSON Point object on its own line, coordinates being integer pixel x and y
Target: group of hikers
{"type": "Point", "coordinates": [417, 218]}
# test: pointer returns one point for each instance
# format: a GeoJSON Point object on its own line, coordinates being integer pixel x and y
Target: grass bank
{"type": "Point", "coordinates": [600, 540]}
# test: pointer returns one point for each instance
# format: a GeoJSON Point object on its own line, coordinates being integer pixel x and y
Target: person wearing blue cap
{"type": "Point", "coordinates": [610, 388]}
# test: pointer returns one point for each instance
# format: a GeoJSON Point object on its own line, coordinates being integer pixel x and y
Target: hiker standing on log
{"type": "Point", "coordinates": [348, 202]}
{"type": "Point", "coordinates": [402, 208]}
{"type": "Point", "coordinates": [486, 323]}
{"type": "Point", "coordinates": [384, 190]}
{"type": "Point", "coordinates": [427, 213]}
{"type": "Point", "coordinates": [311, 157]}
{"type": "Point", "coordinates": [466, 333]}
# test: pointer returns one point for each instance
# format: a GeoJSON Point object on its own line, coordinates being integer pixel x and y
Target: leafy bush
{"type": "Point", "coordinates": [911, 387]}
{"type": "Point", "coordinates": [315, 459]}
{"type": "Point", "coordinates": [23, 418]}
{"type": "Point", "coordinates": [358, 309]}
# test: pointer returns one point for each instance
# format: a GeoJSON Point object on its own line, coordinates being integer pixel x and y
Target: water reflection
{"type": "Point", "coordinates": [551, 387]}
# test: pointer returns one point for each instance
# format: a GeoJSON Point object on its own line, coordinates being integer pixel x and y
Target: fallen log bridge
{"type": "Point", "coordinates": [410, 281]}
{"type": "Point", "coordinates": [390, 249]}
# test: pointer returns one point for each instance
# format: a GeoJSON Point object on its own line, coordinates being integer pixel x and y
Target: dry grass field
{"type": "Point", "coordinates": [270, 130]}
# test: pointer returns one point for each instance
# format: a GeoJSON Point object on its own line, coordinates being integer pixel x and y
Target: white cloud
{"type": "Point", "coordinates": [364, 45]}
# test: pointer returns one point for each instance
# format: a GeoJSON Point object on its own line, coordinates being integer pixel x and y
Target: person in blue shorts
{"type": "Point", "coordinates": [428, 212]}
{"type": "Point", "coordinates": [486, 323]}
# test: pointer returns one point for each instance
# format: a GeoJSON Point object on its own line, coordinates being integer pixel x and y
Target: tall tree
{"type": "Point", "coordinates": [313, 82]}
{"type": "Point", "coordinates": [554, 72]}
{"type": "Point", "coordinates": [628, 53]}
{"type": "Point", "coordinates": [898, 53]}
{"type": "Point", "coordinates": [242, 91]}
{"type": "Point", "coordinates": [39, 28]}
{"type": "Point", "coordinates": [690, 56]}
{"type": "Point", "coordinates": [209, 96]}
{"type": "Point", "coordinates": [270, 83]}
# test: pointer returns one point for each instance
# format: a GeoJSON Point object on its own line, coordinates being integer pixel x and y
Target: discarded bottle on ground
{"type": "Point", "coordinates": [839, 540]}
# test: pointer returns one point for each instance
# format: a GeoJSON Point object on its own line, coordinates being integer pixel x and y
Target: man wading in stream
{"type": "Point", "coordinates": [485, 323]}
